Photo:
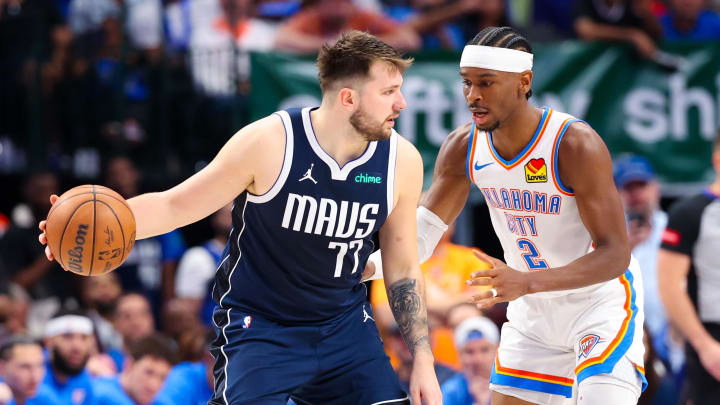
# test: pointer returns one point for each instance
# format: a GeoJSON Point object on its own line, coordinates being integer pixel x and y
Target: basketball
{"type": "Point", "coordinates": [90, 230]}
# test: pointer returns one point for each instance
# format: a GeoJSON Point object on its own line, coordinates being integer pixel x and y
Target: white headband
{"type": "Point", "coordinates": [502, 59]}
{"type": "Point", "coordinates": [69, 324]}
{"type": "Point", "coordinates": [477, 327]}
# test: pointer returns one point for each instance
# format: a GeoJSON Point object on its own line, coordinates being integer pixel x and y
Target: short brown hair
{"type": "Point", "coordinates": [156, 346]}
{"type": "Point", "coordinates": [351, 56]}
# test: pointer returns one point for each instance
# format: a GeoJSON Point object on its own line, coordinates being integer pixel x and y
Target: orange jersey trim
{"type": "Point", "coordinates": [554, 157]}
{"type": "Point", "coordinates": [618, 338]}
{"type": "Point", "coordinates": [528, 150]}
{"type": "Point", "coordinates": [530, 374]}
{"type": "Point", "coordinates": [472, 154]}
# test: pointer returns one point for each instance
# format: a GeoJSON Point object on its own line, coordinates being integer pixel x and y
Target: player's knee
{"type": "Point", "coordinates": [603, 389]}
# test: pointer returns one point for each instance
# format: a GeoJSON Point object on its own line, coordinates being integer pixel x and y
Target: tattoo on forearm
{"type": "Point", "coordinates": [408, 307]}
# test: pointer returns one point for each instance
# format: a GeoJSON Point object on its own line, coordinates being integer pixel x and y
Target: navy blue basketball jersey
{"type": "Point", "coordinates": [296, 253]}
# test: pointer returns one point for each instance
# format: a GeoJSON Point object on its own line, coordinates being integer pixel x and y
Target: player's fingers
{"type": "Point", "coordinates": [482, 296]}
{"type": "Point", "coordinates": [491, 273]}
{"type": "Point", "coordinates": [42, 225]}
{"type": "Point", "coordinates": [487, 303]}
{"type": "Point", "coordinates": [369, 270]}
{"type": "Point", "coordinates": [415, 396]}
{"type": "Point", "coordinates": [53, 198]}
{"type": "Point", "coordinates": [479, 281]}
{"type": "Point", "coordinates": [42, 238]}
{"type": "Point", "coordinates": [48, 253]}
{"type": "Point", "coordinates": [486, 258]}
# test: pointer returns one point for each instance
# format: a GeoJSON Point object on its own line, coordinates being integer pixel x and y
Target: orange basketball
{"type": "Point", "coordinates": [90, 230]}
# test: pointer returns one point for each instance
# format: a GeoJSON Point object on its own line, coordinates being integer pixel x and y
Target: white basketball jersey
{"type": "Point", "coordinates": [534, 215]}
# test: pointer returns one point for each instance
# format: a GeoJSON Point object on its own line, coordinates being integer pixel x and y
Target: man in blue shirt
{"type": "Point", "coordinates": [690, 20]}
{"type": "Point", "coordinates": [146, 368]}
{"type": "Point", "coordinates": [476, 340]}
{"type": "Point", "coordinates": [190, 382]}
{"type": "Point", "coordinates": [69, 340]}
{"type": "Point", "coordinates": [21, 370]}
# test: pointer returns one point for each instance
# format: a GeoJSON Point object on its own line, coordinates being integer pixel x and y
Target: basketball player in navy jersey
{"type": "Point", "coordinates": [311, 187]}
{"type": "Point", "coordinates": [575, 312]}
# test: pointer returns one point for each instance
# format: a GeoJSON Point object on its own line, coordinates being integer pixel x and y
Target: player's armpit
{"type": "Point", "coordinates": [450, 186]}
{"type": "Point", "coordinates": [585, 168]}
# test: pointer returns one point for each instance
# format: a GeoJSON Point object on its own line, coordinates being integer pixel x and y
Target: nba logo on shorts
{"type": "Point", "coordinates": [247, 321]}
{"type": "Point", "coordinates": [587, 343]}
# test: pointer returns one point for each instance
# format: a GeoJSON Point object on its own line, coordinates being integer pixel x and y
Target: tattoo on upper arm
{"type": "Point", "coordinates": [408, 307]}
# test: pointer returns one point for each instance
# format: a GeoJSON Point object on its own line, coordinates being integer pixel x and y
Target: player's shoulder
{"type": "Point", "coordinates": [580, 140]}
{"type": "Point", "coordinates": [406, 151]}
{"type": "Point", "coordinates": [264, 129]}
{"type": "Point", "coordinates": [457, 141]}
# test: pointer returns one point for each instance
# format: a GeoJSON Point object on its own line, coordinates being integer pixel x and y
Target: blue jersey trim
{"type": "Point", "coordinates": [527, 147]}
{"type": "Point", "coordinates": [555, 164]}
{"type": "Point", "coordinates": [528, 384]}
{"type": "Point", "coordinates": [608, 365]}
{"type": "Point", "coordinates": [468, 163]}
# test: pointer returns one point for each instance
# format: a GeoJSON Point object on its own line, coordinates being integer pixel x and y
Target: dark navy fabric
{"type": "Point", "coordinates": [292, 315]}
{"type": "Point", "coordinates": [339, 362]}
{"type": "Point", "coordinates": [288, 274]}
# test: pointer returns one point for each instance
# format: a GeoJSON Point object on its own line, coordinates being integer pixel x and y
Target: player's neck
{"type": "Point", "coordinates": [516, 131]}
{"type": "Point", "coordinates": [336, 136]}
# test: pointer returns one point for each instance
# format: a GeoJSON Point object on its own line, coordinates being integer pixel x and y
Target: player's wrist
{"type": "Point", "coordinates": [423, 356]}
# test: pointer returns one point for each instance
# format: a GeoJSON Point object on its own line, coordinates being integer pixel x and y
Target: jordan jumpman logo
{"type": "Point", "coordinates": [308, 174]}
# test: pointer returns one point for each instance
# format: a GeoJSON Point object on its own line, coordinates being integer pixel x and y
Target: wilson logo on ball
{"type": "Point", "coordinates": [76, 253]}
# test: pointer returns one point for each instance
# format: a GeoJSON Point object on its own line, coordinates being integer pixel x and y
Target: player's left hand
{"type": "Point", "coordinates": [508, 282]}
{"type": "Point", "coordinates": [424, 384]}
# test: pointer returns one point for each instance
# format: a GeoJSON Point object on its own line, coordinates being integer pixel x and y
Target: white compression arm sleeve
{"type": "Point", "coordinates": [430, 229]}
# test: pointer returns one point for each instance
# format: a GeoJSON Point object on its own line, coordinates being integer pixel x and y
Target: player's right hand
{"type": "Point", "coordinates": [424, 384]}
{"type": "Point", "coordinates": [42, 237]}
{"type": "Point", "coordinates": [710, 359]}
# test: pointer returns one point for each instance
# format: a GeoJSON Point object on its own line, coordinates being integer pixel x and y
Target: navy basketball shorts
{"type": "Point", "coordinates": [260, 362]}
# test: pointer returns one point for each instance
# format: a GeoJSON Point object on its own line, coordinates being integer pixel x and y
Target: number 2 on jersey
{"type": "Point", "coordinates": [531, 255]}
{"type": "Point", "coordinates": [341, 254]}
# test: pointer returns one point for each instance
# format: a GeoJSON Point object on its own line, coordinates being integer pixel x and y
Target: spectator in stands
{"type": "Point", "coordinates": [100, 295]}
{"type": "Point", "coordinates": [23, 256]}
{"type": "Point", "coordinates": [460, 312]}
{"type": "Point", "coordinates": [191, 382]}
{"type": "Point", "coordinates": [178, 317]}
{"type": "Point", "coordinates": [661, 389]}
{"type": "Point", "coordinates": [476, 340]}
{"type": "Point", "coordinates": [22, 369]}
{"type": "Point", "coordinates": [69, 340]}
{"type": "Point", "coordinates": [321, 21]}
{"type": "Point", "coordinates": [640, 193]}
{"type": "Point", "coordinates": [404, 361]}
{"type": "Point", "coordinates": [618, 20]}
{"type": "Point", "coordinates": [434, 20]}
{"type": "Point", "coordinates": [150, 267]}
{"type": "Point", "coordinates": [690, 20]}
{"type": "Point", "coordinates": [149, 363]}
{"type": "Point", "coordinates": [689, 283]}
{"type": "Point", "coordinates": [446, 273]}
{"type": "Point", "coordinates": [196, 271]}
{"type": "Point", "coordinates": [134, 321]}
{"type": "Point", "coordinates": [488, 13]}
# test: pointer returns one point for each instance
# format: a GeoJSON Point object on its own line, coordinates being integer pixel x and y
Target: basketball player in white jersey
{"type": "Point", "coordinates": [575, 312]}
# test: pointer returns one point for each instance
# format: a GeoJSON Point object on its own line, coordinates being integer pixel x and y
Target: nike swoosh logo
{"type": "Point", "coordinates": [480, 167]}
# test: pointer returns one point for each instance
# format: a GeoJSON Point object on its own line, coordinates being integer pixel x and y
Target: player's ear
{"type": "Point", "coordinates": [526, 79]}
{"type": "Point", "coordinates": [348, 98]}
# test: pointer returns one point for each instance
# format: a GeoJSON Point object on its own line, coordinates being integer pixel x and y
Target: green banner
{"type": "Point", "coordinates": [635, 105]}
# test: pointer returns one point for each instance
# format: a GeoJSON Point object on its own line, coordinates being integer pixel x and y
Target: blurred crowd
{"type": "Point", "coordinates": [98, 90]}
